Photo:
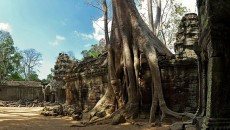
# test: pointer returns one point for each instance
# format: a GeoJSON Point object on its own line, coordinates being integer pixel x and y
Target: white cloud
{"type": "Point", "coordinates": [45, 69]}
{"type": "Point", "coordinates": [58, 37]}
{"type": "Point", "coordinates": [83, 35]}
{"type": "Point", "coordinates": [98, 26]}
{"type": "Point", "coordinates": [57, 40]}
{"type": "Point", "coordinates": [98, 33]}
{"type": "Point", "coordinates": [5, 27]}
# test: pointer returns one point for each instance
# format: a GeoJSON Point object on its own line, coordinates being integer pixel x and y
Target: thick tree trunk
{"type": "Point", "coordinates": [158, 16]}
{"type": "Point", "coordinates": [105, 8]}
{"type": "Point", "coordinates": [130, 37]}
{"type": "Point", "coordinates": [150, 15]}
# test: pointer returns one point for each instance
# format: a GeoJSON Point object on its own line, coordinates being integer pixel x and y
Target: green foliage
{"type": "Point", "coordinates": [34, 76]}
{"type": "Point", "coordinates": [170, 19]}
{"type": "Point", "coordinates": [14, 64]}
{"type": "Point", "coordinates": [95, 50]}
{"type": "Point", "coordinates": [84, 53]}
{"type": "Point", "coordinates": [16, 76]}
{"type": "Point", "coordinates": [94, 53]}
{"type": "Point", "coordinates": [90, 53]}
{"type": "Point", "coordinates": [44, 82]}
{"type": "Point", "coordinates": [49, 77]}
{"type": "Point", "coordinates": [171, 13]}
{"type": "Point", "coordinates": [9, 58]}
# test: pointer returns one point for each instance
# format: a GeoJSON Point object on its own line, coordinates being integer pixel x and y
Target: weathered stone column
{"type": "Point", "coordinates": [68, 91]}
{"type": "Point", "coordinates": [215, 49]}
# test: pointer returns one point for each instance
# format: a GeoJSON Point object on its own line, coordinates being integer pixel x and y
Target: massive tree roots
{"type": "Point", "coordinates": [131, 38]}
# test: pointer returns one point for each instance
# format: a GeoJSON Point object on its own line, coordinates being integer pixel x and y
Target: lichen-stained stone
{"type": "Point", "coordinates": [187, 36]}
{"type": "Point", "coordinates": [215, 63]}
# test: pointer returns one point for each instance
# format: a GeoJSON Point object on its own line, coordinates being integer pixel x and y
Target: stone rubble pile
{"type": "Point", "coordinates": [55, 109]}
{"type": "Point", "coordinates": [22, 103]}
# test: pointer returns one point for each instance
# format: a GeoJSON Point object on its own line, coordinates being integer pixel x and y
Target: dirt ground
{"type": "Point", "coordinates": [24, 118]}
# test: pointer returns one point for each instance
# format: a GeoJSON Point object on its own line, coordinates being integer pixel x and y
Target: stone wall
{"type": "Point", "coordinates": [87, 80]}
{"type": "Point", "coordinates": [180, 85]}
{"type": "Point", "coordinates": [214, 53]}
{"type": "Point", "coordinates": [179, 75]}
{"type": "Point", "coordinates": [179, 80]}
{"type": "Point", "coordinates": [16, 90]}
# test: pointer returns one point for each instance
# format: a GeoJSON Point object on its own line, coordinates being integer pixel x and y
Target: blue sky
{"type": "Point", "coordinates": [54, 26]}
{"type": "Point", "coordinates": [51, 27]}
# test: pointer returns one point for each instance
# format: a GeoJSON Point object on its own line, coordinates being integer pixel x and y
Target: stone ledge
{"type": "Point", "coordinates": [21, 84]}
{"type": "Point", "coordinates": [216, 123]}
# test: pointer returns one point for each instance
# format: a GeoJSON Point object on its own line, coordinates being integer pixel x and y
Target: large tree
{"type": "Point", "coordinates": [31, 60]}
{"type": "Point", "coordinates": [9, 58]}
{"type": "Point", "coordinates": [131, 39]}
{"type": "Point", "coordinates": [163, 18]}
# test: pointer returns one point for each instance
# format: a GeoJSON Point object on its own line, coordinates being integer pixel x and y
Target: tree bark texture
{"type": "Point", "coordinates": [150, 15]}
{"type": "Point", "coordinates": [130, 38]}
{"type": "Point", "coordinates": [158, 16]}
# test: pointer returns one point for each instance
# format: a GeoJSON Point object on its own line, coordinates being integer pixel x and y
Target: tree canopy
{"type": "Point", "coordinates": [9, 58]}
{"type": "Point", "coordinates": [17, 65]}
{"type": "Point", "coordinates": [30, 62]}
{"type": "Point", "coordinates": [163, 17]}
{"type": "Point", "coordinates": [95, 50]}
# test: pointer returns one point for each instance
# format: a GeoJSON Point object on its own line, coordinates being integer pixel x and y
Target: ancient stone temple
{"type": "Point", "coordinates": [180, 75]}
{"type": "Point", "coordinates": [214, 61]}
{"type": "Point", "coordinates": [84, 83]}
{"type": "Point", "coordinates": [186, 37]}
{"type": "Point", "coordinates": [16, 90]}
{"type": "Point", "coordinates": [88, 81]}
{"type": "Point", "coordinates": [55, 90]}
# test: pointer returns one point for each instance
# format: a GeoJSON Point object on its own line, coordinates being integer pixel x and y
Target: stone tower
{"type": "Point", "coordinates": [186, 37]}
{"type": "Point", "coordinates": [57, 84]}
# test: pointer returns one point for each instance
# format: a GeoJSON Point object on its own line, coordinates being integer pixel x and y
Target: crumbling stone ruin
{"type": "Point", "coordinates": [85, 82]}
{"type": "Point", "coordinates": [76, 87]}
{"type": "Point", "coordinates": [55, 90]}
{"type": "Point", "coordinates": [186, 37]}
{"type": "Point", "coordinates": [194, 81]}
{"type": "Point", "coordinates": [214, 62]}
{"type": "Point", "coordinates": [182, 71]}
{"type": "Point", "coordinates": [64, 110]}
{"type": "Point", "coordinates": [89, 78]}
{"type": "Point", "coordinates": [21, 94]}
